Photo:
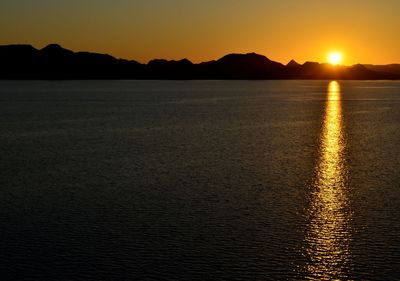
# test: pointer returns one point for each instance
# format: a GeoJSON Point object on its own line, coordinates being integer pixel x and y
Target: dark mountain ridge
{"type": "Point", "coordinates": [389, 68]}
{"type": "Point", "coordinates": [55, 62]}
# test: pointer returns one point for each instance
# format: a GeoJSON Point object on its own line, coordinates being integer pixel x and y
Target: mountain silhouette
{"type": "Point", "coordinates": [389, 68]}
{"type": "Point", "coordinates": [243, 66]}
{"type": "Point", "coordinates": [55, 62]}
{"type": "Point", "coordinates": [293, 64]}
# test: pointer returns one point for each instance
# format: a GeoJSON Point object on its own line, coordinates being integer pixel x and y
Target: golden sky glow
{"type": "Point", "coordinates": [305, 30]}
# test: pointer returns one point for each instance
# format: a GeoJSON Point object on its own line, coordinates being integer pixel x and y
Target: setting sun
{"type": "Point", "coordinates": [335, 58]}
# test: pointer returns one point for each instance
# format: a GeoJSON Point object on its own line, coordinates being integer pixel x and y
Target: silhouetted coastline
{"type": "Point", "coordinates": [55, 62]}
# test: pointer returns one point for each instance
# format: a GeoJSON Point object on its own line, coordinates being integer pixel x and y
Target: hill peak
{"type": "Point", "coordinates": [251, 56]}
{"type": "Point", "coordinates": [293, 63]}
{"type": "Point", "coordinates": [55, 48]}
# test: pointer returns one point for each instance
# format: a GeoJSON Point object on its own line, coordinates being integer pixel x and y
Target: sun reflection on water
{"type": "Point", "coordinates": [329, 234]}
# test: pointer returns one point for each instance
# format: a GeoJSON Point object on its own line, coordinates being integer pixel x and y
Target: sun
{"type": "Point", "coordinates": [335, 58]}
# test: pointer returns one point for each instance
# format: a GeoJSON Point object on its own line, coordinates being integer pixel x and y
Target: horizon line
{"type": "Point", "coordinates": [193, 62]}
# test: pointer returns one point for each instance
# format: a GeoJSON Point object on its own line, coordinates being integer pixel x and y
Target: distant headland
{"type": "Point", "coordinates": [55, 62]}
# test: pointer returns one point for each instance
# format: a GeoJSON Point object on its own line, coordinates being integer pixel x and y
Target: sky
{"type": "Point", "coordinates": [365, 31]}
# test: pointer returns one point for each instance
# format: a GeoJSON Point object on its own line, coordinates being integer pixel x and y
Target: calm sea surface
{"type": "Point", "coordinates": [200, 180]}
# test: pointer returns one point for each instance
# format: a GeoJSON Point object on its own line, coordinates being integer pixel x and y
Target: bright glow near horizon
{"type": "Point", "coordinates": [335, 58]}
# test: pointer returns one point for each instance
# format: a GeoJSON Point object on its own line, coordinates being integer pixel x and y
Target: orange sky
{"type": "Point", "coordinates": [365, 31]}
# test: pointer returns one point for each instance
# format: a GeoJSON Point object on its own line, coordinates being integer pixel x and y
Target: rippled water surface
{"type": "Point", "coordinates": [200, 180]}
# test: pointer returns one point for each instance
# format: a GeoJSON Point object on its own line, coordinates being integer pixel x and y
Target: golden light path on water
{"type": "Point", "coordinates": [329, 233]}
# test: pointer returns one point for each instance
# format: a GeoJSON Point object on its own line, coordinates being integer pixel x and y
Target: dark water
{"type": "Point", "coordinates": [204, 180]}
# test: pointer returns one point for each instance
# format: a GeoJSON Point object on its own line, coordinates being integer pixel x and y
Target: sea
{"type": "Point", "coordinates": [200, 180]}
